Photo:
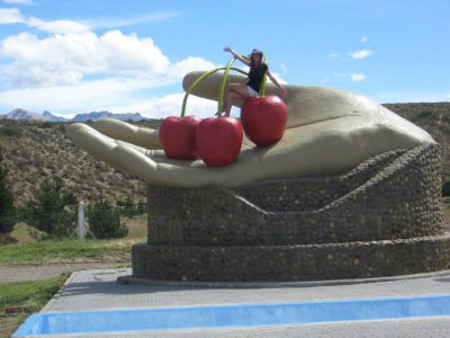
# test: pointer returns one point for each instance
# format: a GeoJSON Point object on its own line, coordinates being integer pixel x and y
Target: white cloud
{"type": "Point", "coordinates": [115, 95]}
{"type": "Point", "coordinates": [18, 2]}
{"type": "Point", "coordinates": [80, 72]}
{"type": "Point", "coordinates": [333, 56]}
{"type": "Point", "coordinates": [283, 68]}
{"type": "Point", "coordinates": [119, 22]}
{"type": "Point", "coordinates": [357, 77]}
{"type": "Point", "coordinates": [93, 95]}
{"type": "Point", "coordinates": [10, 16]}
{"type": "Point", "coordinates": [67, 59]}
{"type": "Point", "coordinates": [170, 105]}
{"type": "Point", "coordinates": [177, 70]}
{"type": "Point", "coordinates": [13, 15]}
{"type": "Point", "coordinates": [75, 70]}
{"type": "Point", "coordinates": [364, 39]}
{"type": "Point", "coordinates": [361, 54]}
{"type": "Point", "coordinates": [58, 26]}
{"type": "Point", "coordinates": [337, 77]}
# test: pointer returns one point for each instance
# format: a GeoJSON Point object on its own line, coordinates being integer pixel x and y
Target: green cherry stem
{"type": "Point", "coordinates": [200, 79]}
{"type": "Point", "coordinates": [223, 85]}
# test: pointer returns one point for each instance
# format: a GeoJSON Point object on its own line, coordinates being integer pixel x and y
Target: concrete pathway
{"type": "Point", "coordinates": [98, 289]}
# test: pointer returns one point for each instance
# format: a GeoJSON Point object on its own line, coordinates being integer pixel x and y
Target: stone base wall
{"type": "Point", "coordinates": [292, 262]}
{"type": "Point", "coordinates": [381, 218]}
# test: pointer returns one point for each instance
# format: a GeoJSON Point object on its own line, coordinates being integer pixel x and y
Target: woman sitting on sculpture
{"type": "Point", "coordinates": [255, 78]}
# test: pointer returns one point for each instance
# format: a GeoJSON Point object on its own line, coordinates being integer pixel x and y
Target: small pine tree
{"type": "Point", "coordinates": [48, 212]}
{"type": "Point", "coordinates": [128, 208]}
{"type": "Point", "coordinates": [446, 187]}
{"type": "Point", "coordinates": [104, 220]}
{"type": "Point", "coordinates": [141, 208]}
{"type": "Point", "coordinates": [6, 199]}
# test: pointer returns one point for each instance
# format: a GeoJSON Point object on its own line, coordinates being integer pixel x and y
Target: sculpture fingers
{"type": "Point", "coordinates": [154, 167]}
{"type": "Point", "coordinates": [119, 130]}
{"type": "Point", "coordinates": [98, 145]}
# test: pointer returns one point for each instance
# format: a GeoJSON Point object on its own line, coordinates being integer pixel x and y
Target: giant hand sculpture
{"type": "Point", "coordinates": [328, 131]}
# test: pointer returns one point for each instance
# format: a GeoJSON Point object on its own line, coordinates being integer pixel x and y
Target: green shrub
{"type": "Point", "coordinates": [53, 211]}
{"type": "Point", "coordinates": [130, 209]}
{"type": "Point", "coordinates": [45, 125]}
{"type": "Point", "coordinates": [141, 208]}
{"type": "Point", "coordinates": [6, 225]}
{"type": "Point", "coordinates": [6, 199]}
{"type": "Point", "coordinates": [446, 187]}
{"type": "Point", "coordinates": [10, 131]}
{"type": "Point", "coordinates": [104, 220]}
{"type": "Point", "coordinates": [62, 128]}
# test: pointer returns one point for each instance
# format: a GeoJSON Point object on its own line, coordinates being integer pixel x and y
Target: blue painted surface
{"type": "Point", "coordinates": [245, 315]}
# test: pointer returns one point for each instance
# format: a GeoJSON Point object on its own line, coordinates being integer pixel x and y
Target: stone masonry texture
{"type": "Point", "coordinates": [382, 218]}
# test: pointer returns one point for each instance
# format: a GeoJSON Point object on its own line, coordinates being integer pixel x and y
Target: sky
{"type": "Point", "coordinates": [77, 56]}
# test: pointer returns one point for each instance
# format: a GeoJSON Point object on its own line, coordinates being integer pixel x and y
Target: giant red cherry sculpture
{"type": "Point", "coordinates": [219, 140]}
{"type": "Point", "coordinates": [264, 119]}
{"type": "Point", "coordinates": [178, 137]}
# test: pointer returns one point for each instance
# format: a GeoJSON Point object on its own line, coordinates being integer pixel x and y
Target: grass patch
{"type": "Point", "coordinates": [30, 251]}
{"type": "Point", "coordinates": [137, 226]}
{"type": "Point", "coordinates": [29, 296]}
{"type": "Point", "coordinates": [21, 233]}
{"type": "Point", "coordinates": [63, 251]}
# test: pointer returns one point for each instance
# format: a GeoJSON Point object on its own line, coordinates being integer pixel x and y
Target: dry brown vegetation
{"type": "Point", "coordinates": [34, 151]}
{"type": "Point", "coordinates": [435, 119]}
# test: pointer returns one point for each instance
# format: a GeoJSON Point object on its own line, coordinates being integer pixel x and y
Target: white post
{"type": "Point", "coordinates": [81, 220]}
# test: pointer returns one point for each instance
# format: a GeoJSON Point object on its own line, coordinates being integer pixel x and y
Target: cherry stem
{"type": "Point", "coordinates": [200, 79]}
{"type": "Point", "coordinates": [222, 87]}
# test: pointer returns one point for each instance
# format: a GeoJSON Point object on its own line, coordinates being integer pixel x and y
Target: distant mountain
{"type": "Point", "coordinates": [22, 114]}
{"type": "Point", "coordinates": [54, 118]}
{"type": "Point", "coordinates": [93, 116]}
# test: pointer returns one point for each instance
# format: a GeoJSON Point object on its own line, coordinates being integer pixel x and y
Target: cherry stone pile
{"type": "Point", "coordinates": [218, 141]}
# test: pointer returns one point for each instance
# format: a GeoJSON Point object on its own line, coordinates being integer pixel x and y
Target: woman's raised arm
{"type": "Point", "coordinates": [276, 83]}
{"type": "Point", "coordinates": [237, 56]}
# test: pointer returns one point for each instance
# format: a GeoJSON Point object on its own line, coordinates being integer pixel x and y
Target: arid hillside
{"type": "Point", "coordinates": [34, 151]}
{"type": "Point", "coordinates": [435, 119]}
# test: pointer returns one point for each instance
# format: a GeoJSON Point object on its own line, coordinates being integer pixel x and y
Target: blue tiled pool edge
{"type": "Point", "coordinates": [230, 316]}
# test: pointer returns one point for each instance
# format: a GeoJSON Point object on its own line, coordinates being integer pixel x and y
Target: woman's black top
{"type": "Point", "coordinates": [256, 75]}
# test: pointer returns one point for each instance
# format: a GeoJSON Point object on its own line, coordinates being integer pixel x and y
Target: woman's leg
{"type": "Point", "coordinates": [234, 91]}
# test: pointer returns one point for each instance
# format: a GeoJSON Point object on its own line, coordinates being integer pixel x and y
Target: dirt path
{"type": "Point", "coordinates": [25, 273]}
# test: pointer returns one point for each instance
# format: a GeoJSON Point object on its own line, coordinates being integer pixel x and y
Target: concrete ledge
{"type": "Point", "coordinates": [130, 279]}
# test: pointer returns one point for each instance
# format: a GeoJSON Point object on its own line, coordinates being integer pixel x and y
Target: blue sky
{"type": "Point", "coordinates": [125, 56]}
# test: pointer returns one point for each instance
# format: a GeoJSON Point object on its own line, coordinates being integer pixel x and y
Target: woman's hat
{"type": "Point", "coordinates": [257, 51]}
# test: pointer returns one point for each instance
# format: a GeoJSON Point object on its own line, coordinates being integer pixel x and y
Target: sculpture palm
{"type": "Point", "coordinates": [328, 131]}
